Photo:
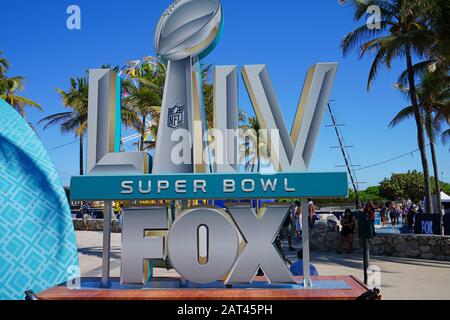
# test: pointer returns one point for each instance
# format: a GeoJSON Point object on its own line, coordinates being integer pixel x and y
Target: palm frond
{"type": "Point", "coordinates": [404, 114]}
{"type": "Point", "coordinates": [418, 69]}
{"type": "Point", "coordinates": [360, 35]}
{"type": "Point", "coordinates": [377, 62]}
{"type": "Point", "coordinates": [4, 64]}
{"type": "Point", "coordinates": [445, 137]}
{"type": "Point", "coordinates": [55, 119]}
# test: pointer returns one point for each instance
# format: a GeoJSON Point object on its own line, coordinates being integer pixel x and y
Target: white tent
{"type": "Point", "coordinates": [445, 197]}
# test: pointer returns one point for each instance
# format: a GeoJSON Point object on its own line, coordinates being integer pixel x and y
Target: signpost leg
{"type": "Point", "coordinates": [107, 209]}
{"type": "Point", "coordinates": [366, 259]}
{"type": "Point", "coordinates": [305, 243]}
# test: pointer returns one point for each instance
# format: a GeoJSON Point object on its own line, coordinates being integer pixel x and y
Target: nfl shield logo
{"type": "Point", "coordinates": [176, 117]}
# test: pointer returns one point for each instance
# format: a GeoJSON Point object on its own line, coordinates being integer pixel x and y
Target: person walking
{"type": "Point", "coordinates": [398, 212]}
{"type": "Point", "coordinates": [286, 231]}
{"type": "Point", "coordinates": [411, 216]}
{"type": "Point", "coordinates": [383, 215]}
{"type": "Point", "coordinates": [119, 212]}
{"type": "Point", "coordinates": [420, 210]}
{"type": "Point", "coordinates": [86, 215]}
{"type": "Point", "coordinates": [392, 209]}
{"type": "Point", "coordinates": [369, 210]}
{"type": "Point", "coordinates": [298, 219]}
{"type": "Point", "coordinates": [405, 210]}
{"type": "Point", "coordinates": [311, 213]}
{"type": "Point", "coordinates": [347, 232]}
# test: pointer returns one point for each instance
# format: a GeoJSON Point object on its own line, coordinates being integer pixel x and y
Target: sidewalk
{"type": "Point", "coordinates": [401, 278]}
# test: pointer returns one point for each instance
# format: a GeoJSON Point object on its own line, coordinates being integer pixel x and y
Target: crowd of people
{"type": "Point", "coordinates": [404, 213]}
{"type": "Point", "coordinates": [398, 212]}
{"type": "Point", "coordinates": [292, 225]}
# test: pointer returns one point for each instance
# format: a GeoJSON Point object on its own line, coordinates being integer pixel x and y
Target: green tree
{"type": "Point", "coordinates": [371, 194]}
{"type": "Point", "coordinates": [445, 187]}
{"type": "Point", "coordinates": [404, 32]}
{"type": "Point", "coordinates": [400, 186]}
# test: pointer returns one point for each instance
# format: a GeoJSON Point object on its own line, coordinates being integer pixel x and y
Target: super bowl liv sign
{"type": "Point", "coordinates": [204, 244]}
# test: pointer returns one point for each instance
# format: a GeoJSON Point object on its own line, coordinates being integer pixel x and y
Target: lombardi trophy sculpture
{"type": "Point", "coordinates": [187, 31]}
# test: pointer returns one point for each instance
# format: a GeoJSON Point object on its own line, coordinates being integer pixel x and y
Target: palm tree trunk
{"type": "Point", "coordinates": [141, 146]}
{"type": "Point", "coordinates": [420, 131]}
{"type": "Point", "coordinates": [258, 155]}
{"type": "Point", "coordinates": [81, 155]}
{"type": "Point", "coordinates": [258, 169]}
{"type": "Point", "coordinates": [437, 183]}
{"type": "Point", "coordinates": [429, 120]}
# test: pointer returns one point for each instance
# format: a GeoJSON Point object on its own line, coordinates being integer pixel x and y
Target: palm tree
{"type": "Point", "coordinates": [144, 92]}
{"type": "Point", "coordinates": [76, 119]}
{"type": "Point", "coordinates": [446, 134]}
{"type": "Point", "coordinates": [405, 31]}
{"type": "Point", "coordinates": [208, 95]}
{"type": "Point", "coordinates": [433, 96]}
{"type": "Point", "coordinates": [252, 142]}
{"type": "Point", "coordinates": [9, 86]}
{"type": "Point", "coordinates": [255, 146]}
{"type": "Point", "coordinates": [4, 65]}
{"type": "Point", "coordinates": [440, 53]}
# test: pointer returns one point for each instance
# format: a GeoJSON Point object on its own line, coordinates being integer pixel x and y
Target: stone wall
{"type": "Point", "coordinates": [399, 245]}
{"type": "Point", "coordinates": [94, 225]}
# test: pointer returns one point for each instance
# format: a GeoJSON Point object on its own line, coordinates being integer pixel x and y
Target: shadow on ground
{"type": "Point", "coordinates": [97, 252]}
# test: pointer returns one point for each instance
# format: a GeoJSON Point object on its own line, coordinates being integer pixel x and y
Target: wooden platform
{"type": "Point", "coordinates": [356, 288]}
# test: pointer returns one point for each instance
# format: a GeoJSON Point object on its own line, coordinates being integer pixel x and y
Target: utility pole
{"type": "Point", "coordinates": [348, 165]}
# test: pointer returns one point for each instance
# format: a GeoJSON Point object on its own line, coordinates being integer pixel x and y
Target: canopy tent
{"type": "Point", "coordinates": [445, 197]}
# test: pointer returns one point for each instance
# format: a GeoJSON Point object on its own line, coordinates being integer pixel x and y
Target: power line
{"type": "Point", "coordinates": [390, 160]}
{"type": "Point", "coordinates": [63, 145]}
{"type": "Point", "coordinates": [126, 139]}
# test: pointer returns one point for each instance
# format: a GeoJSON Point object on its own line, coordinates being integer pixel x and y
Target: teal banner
{"type": "Point", "coordinates": [210, 186]}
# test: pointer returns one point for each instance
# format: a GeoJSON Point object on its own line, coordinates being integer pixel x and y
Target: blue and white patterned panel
{"type": "Point", "coordinates": [37, 239]}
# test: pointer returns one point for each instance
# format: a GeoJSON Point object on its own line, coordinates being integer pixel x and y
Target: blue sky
{"type": "Point", "coordinates": [288, 36]}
